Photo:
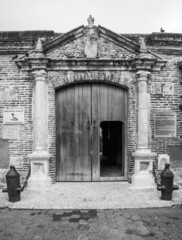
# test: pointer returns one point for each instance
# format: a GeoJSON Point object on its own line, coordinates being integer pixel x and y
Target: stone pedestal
{"type": "Point", "coordinates": [143, 157]}
{"type": "Point", "coordinates": [39, 170]}
{"type": "Point", "coordinates": [143, 177]}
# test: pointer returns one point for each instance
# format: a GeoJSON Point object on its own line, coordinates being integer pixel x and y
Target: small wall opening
{"type": "Point", "coordinates": [111, 155]}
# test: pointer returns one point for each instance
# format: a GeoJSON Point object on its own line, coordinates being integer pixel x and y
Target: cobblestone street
{"type": "Point", "coordinates": [125, 224]}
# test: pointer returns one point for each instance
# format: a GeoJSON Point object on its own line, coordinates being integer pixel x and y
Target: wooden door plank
{"type": "Point", "coordinates": [95, 133]}
{"type": "Point", "coordinates": [86, 138]}
{"type": "Point", "coordinates": [114, 111]}
{"type": "Point", "coordinates": [78, 132]}
{"type": "Point", "coordinates": [57, 135]}
{"type": "Point", "coordinates": [103, 89]}
{"type": "Point", "coordinates": [103, 96]}
{"type": "Point", "coordinates": [62, 136]}
{"type": "Point", "coordinates": [120, 93]}
{"type": "Point", "coordinates": [70, 154]}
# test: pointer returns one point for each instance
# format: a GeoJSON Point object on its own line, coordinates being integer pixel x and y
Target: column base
{"type": "Point", "coordinates": [143, 180]}
{"type": "Point", "coordinates": [143, 177]}
{"type": "Point", "coordinates": [39, 183]}
{"type": "Point", "coordinates": [39, 163]}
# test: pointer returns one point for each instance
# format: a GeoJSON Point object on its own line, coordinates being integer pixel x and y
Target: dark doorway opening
{"type": "Point", "coordinates": [111, 156]}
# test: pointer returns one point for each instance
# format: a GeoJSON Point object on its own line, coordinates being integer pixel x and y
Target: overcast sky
{"type": "Point", "coordinates": [121, 16]}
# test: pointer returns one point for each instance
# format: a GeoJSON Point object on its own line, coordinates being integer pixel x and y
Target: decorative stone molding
{"type": "Point", "coordinates": [91, 64]}
{"type": "Point", "coordinates": [88, 76]}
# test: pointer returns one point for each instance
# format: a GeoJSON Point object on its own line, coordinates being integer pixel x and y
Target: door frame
{"type": "Point", "coordinates": [124, 134]}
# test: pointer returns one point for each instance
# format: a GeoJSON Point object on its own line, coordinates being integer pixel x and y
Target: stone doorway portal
{"type": "Point", "coordinates": [91, 120]}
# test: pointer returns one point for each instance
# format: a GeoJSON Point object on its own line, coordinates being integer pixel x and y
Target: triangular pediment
{"type": "Point", "coordinates": [95, 43]}
{"type": "Point", "coordinates": [109, 45]}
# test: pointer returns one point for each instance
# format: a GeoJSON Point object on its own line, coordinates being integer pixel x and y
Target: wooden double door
{"type": "Point", "coordinates": [86, 114]}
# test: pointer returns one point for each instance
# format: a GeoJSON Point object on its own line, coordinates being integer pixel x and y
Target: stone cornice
{"type": "Point", "coordinates": [135, 64]}
{"type": "Point", "coordinates": [167, 50]}
{"type": "Point", "coordinates": [109, 64]}
{"type": "Point", "coordinates": [30, 63]}
{"type": "Point", "coordinates": [149, 64]}
{"type": "Point", "coordinates": [38, 64]}
{"type": "Point", "coordinates": [90, 64]}
{"type": "Point", "coordinates": [14, 51]}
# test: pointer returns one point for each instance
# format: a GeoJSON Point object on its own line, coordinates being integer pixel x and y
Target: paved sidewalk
{"type": "Point", "coordinates": [118, 224]}
{"type": "Point", "coordinates": [95, 195]}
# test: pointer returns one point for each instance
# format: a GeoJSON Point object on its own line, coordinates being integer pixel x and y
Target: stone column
{"type": "Point", "coordinates": [40, 137]}
{"type": "Point", "coordinates": [143, 111]}
{"type": "Point", "coordinates": [39, 159]}
{"type": "Point", "coordinates": [143, 157]}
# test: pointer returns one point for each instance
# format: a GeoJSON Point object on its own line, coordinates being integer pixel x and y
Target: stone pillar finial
{"type": "Point", "coordinates": [38, 47]}
{"type": "Point", "coordinates": [143, 48]}
{"type": "Point", "coordinates": [90, 21]}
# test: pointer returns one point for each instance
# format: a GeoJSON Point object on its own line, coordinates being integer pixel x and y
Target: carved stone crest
{"type": "Point", "coordinates": [91, 37]}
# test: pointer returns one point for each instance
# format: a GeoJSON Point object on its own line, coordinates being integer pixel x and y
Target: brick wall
{"type": "Point", "coordinates": [160, 102]}
{"type": "Point", "coordinates": [16, 92]}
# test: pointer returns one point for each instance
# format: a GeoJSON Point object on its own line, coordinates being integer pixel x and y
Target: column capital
{"type": "Point", "coordinates": [39, 75]}
{"type": "Point", "coordinates": [37, 63]}
{"type": "Point", "coordinates": [143, 75]}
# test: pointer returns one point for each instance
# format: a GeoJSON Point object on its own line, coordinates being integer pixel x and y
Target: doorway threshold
{"type": "Point", "coordinates": [112, 179]}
